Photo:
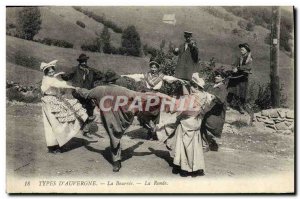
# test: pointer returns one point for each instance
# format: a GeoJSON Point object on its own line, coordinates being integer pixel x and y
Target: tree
{"type": "Point", "coordinates": [131, 41]}
{"type": "Point", "coordinates": [29, 22]}
{"type": "Point", "coordinates": [105, 40]}
{"type": "Point", "coordinates": [162, 44]}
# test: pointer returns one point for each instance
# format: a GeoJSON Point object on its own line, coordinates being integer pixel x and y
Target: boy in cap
{"type": "Point", "coordinates": [238, 82]}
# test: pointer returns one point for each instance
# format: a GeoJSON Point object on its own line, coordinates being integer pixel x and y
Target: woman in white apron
{"type": "Point", "coordinates": [63, 115]}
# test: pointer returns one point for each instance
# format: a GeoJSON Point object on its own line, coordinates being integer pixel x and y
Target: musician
{"type": "Point", "coordinates": [187, 61]}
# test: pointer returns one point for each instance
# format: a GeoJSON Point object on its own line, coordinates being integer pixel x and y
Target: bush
{"type": "Point", "coordinates": [267, 39]}
{"type": "Point", "coordinates": [242, 24]}
{"type": "Point", "coordinates": [250, 26]}
{"type": "Point", "coordinates": [105, 40]}
{"type": "Point", "coordinates": [55, 42]}
{"type": "Point", "coordinates": [235, 31]}
{"type": "Point", "coordinates": [150, 50]}
{"type": "Point", "coordinates": [29, 22]}
{"type": "Point", "coordinates": [215, 12]}
{"type": "Point", "coordinates": [260, 96]}
{"type": "Point", "coordinates": [90, 47]}
{"type": "Point", "coordinates": [21, 93]}
{"type": "Point", "coordinates": [23, 59]}
{"type": "Point", "coordinates": [28, 97]}
{"type": "Point", "coordinates": [10, 26]}
{"type": "Point", "coordinates": [100, 19]}
{"type": "Point", "coordinates": [80, 23]}
{"type": "Point", "coordinates": [262, 16]}
{"type": "Point", "coordinates": [131, 41]}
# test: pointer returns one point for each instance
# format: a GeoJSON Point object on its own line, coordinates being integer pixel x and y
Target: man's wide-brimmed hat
{"type": "Point", "coordinates": [246, 46]}
{"type": "Point", "coordinates": [187, 33]}
{"type": "Point", "coordinates": [44, 65]}
{"type": "Point", "coordinates": [198, 80]}
{"type": "Point", "coordinates": [82, 57]}
{"type": "Point", "coordinates": [222, 72]}
{"type": "Point", "coordinates": [111, 75]}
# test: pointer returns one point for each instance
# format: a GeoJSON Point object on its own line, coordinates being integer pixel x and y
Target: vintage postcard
{"type": "Point", "coordinates": [164, 99]}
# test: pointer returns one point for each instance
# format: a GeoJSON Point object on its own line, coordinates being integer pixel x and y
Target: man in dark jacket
{"type": "Point", "coordinates": [213, 121]}
{"type": "Point", "coordinates": [84, 76]}
{"type": "Point", "coordinates": [187, 60]}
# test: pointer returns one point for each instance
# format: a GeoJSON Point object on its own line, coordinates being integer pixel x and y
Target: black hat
{"type": "Point", "coordinates": [82, 57]}
{"type": "Point", "coordinates": [111, 75]}
{"type": "Point", "coordinates": [154, 60]}
{"type": "Point", "coordinates": [187, 33]}
{"type": "Point", "coordinates": [221, 72]}
{"type": "Point", "coordinates": [246, 46]}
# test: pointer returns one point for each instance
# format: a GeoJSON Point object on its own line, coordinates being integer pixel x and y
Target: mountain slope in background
{"type": "Point", "coordinates": [213, 31]}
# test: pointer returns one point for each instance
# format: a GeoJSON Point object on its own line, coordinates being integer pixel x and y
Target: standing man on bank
{"type": "Point", "coordinates": [187, 61]}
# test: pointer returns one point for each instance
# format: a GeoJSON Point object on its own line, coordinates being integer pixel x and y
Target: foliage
{"type": "Point", "coordinates": [28, 22]}
{"type": "Point", "coordinates": [55, 42]}
{"type": "Point", "coordinates": [90, 47]}
{"type": "Point", "coordinates": [262, 16]}
{"type": "Point", "coordinates": [100, 19]}
{"type": "Point", "coordinates": [250, 26]}
{"type": "Point", "coordinates": [22, 59]}
{"type": "Point", "coordinates": [80, 23]}
{"type": "Point", "coordinates": [260, 96]}
{"type": "Point", "coordinates": [131, 41]}
{"type": "Point", "coordinates": [105, 41]}
{"type": "Point", "coordinates": [246, 25]}
{"type": "Point", "coordinates": [21, 93]}
{"type": "Point", "coordinates": [215, 12]}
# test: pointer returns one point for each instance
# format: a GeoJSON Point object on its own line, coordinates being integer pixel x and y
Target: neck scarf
{"type": "Point", "coordinates": [248, 57]}
{"type": "Point", "coordinates": [86, 71]}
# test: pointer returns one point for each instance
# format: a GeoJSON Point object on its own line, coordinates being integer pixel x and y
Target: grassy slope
{"type": "Point", "coordinates": [60, 23]}
{"type": "Point", "coordinates": [213, 34]}
{"type": "Point", "coordinates": [22, 74]}
{"type": "Point", "coordinates": [67, 57]}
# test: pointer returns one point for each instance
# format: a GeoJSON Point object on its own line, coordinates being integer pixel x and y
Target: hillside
{"type": "Point", "coordinates": [60, 23]}
{"type": "Point", "coordinates": [16, 48]}
{"type": "Point", "coordinates": [212, 30]}
{"type": "Point", "coordinates": [22, 75]}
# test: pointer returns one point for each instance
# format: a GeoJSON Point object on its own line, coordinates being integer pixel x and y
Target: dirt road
{"type": "Point", "coordinates": [247, 153]}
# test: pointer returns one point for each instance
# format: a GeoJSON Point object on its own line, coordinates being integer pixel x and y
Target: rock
{"type": "Point", "coordinates": [290, 114]}
{"type": "Point", "coordinates": [282, 113]}
{"type": "Point", "coordinates": [286, 132]}
{"type": "Point", "coordinates": [273, 113]}
{"type": "Point", "coordinates": [265, 120]}
{"type": "Point", "coordinates": [289, 123]}
{"type": "Point", "coordinates": [289, 120]}
{"type": "Point", "coordinates": [233, 116]}
{"type": "Point", "coordinates": [281, 126]}
{"type": "Point", "coordinates": [257, 114]}
{"type": "Point", "coordinates": [278, 120]}
{"type": "Point", "coordinates": [265, 113]}
{"type": "Point", "coordinates": [262, 117]}
{"type": "Point", "coordinates": [269, 129]}
{"type": "Point", "coordinates": [291, 127]}
{"type": "Point", "coordinates": [272, 127]}
{"type": "Point", "coordinates": [259, 125]}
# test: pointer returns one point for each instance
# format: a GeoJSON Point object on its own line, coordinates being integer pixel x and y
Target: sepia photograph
{"type": "Point", "coordinates": [150, 99]}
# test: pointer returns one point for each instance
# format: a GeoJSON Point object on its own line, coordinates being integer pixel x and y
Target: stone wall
{"type": "Point", "coordinates": [275, 120]}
